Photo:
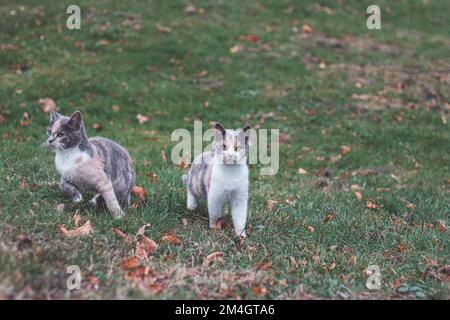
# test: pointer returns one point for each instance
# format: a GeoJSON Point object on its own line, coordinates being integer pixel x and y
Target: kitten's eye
{"type": "Point", "coordinates": [224, 147]}
{"type": "Point", "coordinates": [60, 134]}
{"type": "Point", "coordinates": [236, 148]}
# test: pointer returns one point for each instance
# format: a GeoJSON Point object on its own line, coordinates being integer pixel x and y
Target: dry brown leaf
{"type": "Point", "coordinates": [171, 238]}
{"type": "Point", "coordinates": [332, 266]}
{"type": "Point", "coordinates": [249, 37]}
{"type": "Point", "coordinates": [302, 171]}
{"type": "Point", "coordinates": [25, 121]}
{"type": "Point", "coordinates": [270, 204]}
{"type": "Point", "coordinates": [84, 230]}
{"type": "Point", "coordinates": [142, 119]}
{"type": "Point", "coordinates": [259, 291]}
{"type": "Point", "coordinates": [152, 176]}
{"type": "Point", "coordinates": [97, 126]}
{"type": "Point", "coordinates": [183, 165]}
{"type": "Point", "coordinates": [329, 217]}
{"type": "Point", "coordinates": [163, 156]}
{"type": "Point", "coordinates": [115, 108]}
{"type": "Point", "coordinates": [130, 263]}
{"type": "Point", "coordinates": [353, 260]}
{"type": "Point", "coordinates": [345, 150]}
{"type": "Point", "coordinates": [263, 266]}
{"type": "Point", "coordinates": [370, 204]}
{"type": "Point", "coordinates": [145, 247]}
{"type": "Point", "coordinates": [306, 28]}
{"type": "Point", "coordinates": [310, 229]}
{"type": "Point", "coordinates": [139, 192]}
{"type": "Point", "coordinates": [358, 196]}
{"type": "Point", "coordinates": [47, 105]}
{"type": "Point", "coordinates": [213, 257]}
{"type": "Point", "coordinates": [76, 219]}
{"type": "Point", "coordinates": [441, 226]}
{"type": "Point", "coordinates": [161, 28]}
{"type": "Point", "coordinates": [237, 48]}
{"type": "Point", "coordinates": [121, 234]}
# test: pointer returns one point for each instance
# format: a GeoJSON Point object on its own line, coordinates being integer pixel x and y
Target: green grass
{"type": "Point", "coordinates": [405, 136]}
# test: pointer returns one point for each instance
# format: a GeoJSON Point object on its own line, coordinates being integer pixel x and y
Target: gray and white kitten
{"type": "Point", "coordinates": [90, 164]}
{"type": "Point", "coordinates": [221, 176]}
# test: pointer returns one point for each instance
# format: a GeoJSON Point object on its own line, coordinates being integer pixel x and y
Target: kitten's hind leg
{"type": "Point", "coordinates": [191, 201]}
{"type": "Point", "coordinates": [71, 191]}
{"type": "Point", "coordinates": [106, 190]}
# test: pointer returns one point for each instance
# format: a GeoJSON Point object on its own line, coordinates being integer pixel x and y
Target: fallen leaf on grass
{"type": "Point", "coordinates": [97, 126]}
{"type": "Point", "coordinates": [302, 171]}
{"type": "Point", "coordinates": [171, 238]}
{"type": "Point", "coordinates": [329, 217]}
{"type": "Point", "coordinates": [358, 196]}
{"type": "Point", "coordinates": [183, 165]}
{"type": "Point", "coordinates": [370, 204]}
{"type": "Point", "coordinates": [161, 28]}
{"type": "Point", "coordinates": [115, 108]}
{"type": "Point", "coordinates": [249, 37]}
{"type": "Point", "coordinates": [441, 226]}
{"type": "Point", "coordinates": [310, 229]}
{"type": "Point", "coordinates": [139, 192]}
{"type": "Point", "coordinates": [76, 219]}
{"type": "Point", "coordinates": [84, 230]}
{"type": "Point", "coordinates": [142, 119]}
{"type": "Point", "coordinates": [306, 28]}
{"type": "Point", "coordinates": [270, 204]}
{"type": "Point", "coordinates": [263, 266]}
{"type": "Point", "coordinates": [47, 105]}
{"type": "Point", "coordinates": [145, 247]}
{"type": "Point", "coordinates": [130, 263]}
{"type": "Point", "coordinates": [163, 156]}
{"type": "Point", "coordinates": [25, 121]}
{"type": "Point", "coordinates": [152, 176]}
{"type": "Point", "coordinates": [121, 234]}
{"type": "Point", "coordinates": [353, 260]}
{"type": "Point", "coordinates": [345, 150]}
{"type": "Point", "coordinates": [213, 257]}
{"type": "Point", "coordinates": [237, 48]}
{"type": "Point", "coordinates": [259, 291]}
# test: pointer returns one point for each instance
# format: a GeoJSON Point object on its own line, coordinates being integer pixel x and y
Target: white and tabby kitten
{"type": "Point", "coordinates": [96, 164]}
{"type": "Point", "coordinates": [221, 176]}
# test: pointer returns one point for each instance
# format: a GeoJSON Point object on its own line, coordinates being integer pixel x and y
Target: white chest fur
{"type": "Point", "coordinates": [67, 161]}
{"type": "Point", "coordinates": [230, 178]}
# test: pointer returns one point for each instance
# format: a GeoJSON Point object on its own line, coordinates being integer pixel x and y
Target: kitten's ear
{"type": "Point", "coordinates": [75, 120]}
{"type": "Point", "coordinates": [245, 132]}
{"type": "Point", "coordinates": [220, 128]}
{"type": "Point", "coordinates": [54, 115]}
{"type": "Point", "coordinates": [219, 133]}
{"type": "Point", "coordinates": [245, 129]}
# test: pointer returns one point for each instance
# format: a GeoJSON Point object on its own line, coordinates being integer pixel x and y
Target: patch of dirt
{"type": "Point", "coordinates": [407, 87]}
{"type": "Point", "coordinates": [346, 42]}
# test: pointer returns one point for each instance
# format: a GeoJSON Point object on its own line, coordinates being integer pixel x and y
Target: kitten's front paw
{"type": "Point", "coordinates": [191, 204]}
{"type": "Point", "coordinates": [241, 234]}
{"type": "Point", "coordinates": [77, 199]}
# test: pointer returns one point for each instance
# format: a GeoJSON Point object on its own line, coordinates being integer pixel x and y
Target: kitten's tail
{"type": "Point", "coordinates": [184, 179]}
